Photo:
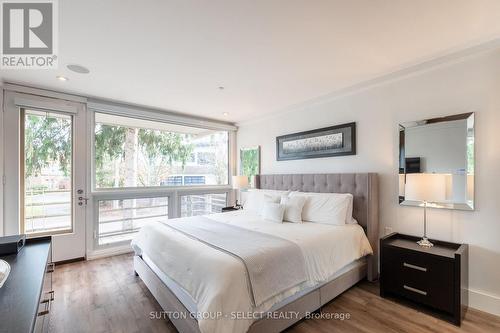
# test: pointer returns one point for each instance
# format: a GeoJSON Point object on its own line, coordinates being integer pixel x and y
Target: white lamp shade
{"type": "Point", "coordinates": [240, 182]}
{"type": "Point", "coordinates": [430, 187]}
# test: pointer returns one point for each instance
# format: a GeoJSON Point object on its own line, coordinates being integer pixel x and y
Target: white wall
{"type": "Point", "coordinates": [464, 85]}
{"type": "Point", "coordinates": [442, 148]}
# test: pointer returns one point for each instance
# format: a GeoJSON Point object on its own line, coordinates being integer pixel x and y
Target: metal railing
{"type": "Point", "coordinates": [194, 204]}
{"type": "Point", "coordinates": [125, 224]}
{"type": "Point", "coordinates": [32, 217]}
{"type": "Point", "coordinates": [200, 204]}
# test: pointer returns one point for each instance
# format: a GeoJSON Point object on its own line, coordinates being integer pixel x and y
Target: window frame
{"type": "Point", "coordinates": [172, 192]}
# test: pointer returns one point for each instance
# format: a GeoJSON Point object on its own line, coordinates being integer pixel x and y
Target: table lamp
{"type": "Point", "coordinates": [427, 188]}
{"type": "Point", "coordinates": [239, 183]}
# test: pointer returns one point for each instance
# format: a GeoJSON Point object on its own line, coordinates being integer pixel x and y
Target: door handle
{"type": "Point", "coordinates": [81, 200]}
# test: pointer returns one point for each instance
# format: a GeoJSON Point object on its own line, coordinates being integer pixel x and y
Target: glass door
{"type": "Point", "coordinates": [50, 170]}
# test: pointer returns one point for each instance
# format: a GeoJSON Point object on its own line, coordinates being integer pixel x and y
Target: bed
{"type": "Point", "coordinates": [195, 295]}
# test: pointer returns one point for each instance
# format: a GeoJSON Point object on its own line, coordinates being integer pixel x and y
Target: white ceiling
{"type": "Point", "coordinates": [268, 54]}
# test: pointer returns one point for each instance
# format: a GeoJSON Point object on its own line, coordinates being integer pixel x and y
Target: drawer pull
{"type": "Point", "coordinates": [418, 268]}
{"type": "Point", "coordinates": [51, 297]}
{"type": "Point", "coordinates": [48, 304]}
{"type": "Point", "coordinates": [43, 313]}
{"type": "Point", "coordinates": [415, 290]}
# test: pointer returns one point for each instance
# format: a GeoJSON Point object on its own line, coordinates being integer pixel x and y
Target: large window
{"type": "Point", "coordinates": [133, 152]}
{"type": "Point", "coordinates": [146, 171]}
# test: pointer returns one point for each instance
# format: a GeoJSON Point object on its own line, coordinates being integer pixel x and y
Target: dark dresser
{"type": "Point", "coordinates": [26, 296]}
{"type": "Point", "coordinates": [434, 279]}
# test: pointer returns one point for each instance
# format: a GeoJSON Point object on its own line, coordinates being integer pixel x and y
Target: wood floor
{"type": "Point", "coordinates": [105, 296]}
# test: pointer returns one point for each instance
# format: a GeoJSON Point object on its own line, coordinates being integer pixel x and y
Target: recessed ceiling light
{"type": "Point", "coordinates": [225, 114]}
{"type": "Point", "coordinates": [78, 69]}
{"type": "Point", "coordinates": [62, 78]}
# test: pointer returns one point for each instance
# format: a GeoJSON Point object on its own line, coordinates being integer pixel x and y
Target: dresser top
{"type": "Point", "coordinates": [442, 249]}
{"type": "Point", "coordinates": [20, 295]}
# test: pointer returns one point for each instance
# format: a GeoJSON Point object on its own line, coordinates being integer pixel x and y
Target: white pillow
{"type": "Point", "coordinates": [256, 199]}
{"type": "Point", "coordinates": [349, 218]}
{"type": "Point", "coordinates": [293, 208]}
{"type": "Point", "coordinates": [245, 194]}
{"type": "Point", "coordinates": [273, 212]}
{"type": "Point", "coordinates": [327, 208]}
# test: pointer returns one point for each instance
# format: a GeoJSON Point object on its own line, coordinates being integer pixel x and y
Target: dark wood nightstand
{"type": "Point", "coordinates": [435, 278]}
{"type": "Point", "coordinates": [231, 208]}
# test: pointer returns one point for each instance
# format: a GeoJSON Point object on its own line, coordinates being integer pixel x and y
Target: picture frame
{"type": "Point", "coordinates": [338, 140]}
{"type": "Point", "coordinates": [250, 163]}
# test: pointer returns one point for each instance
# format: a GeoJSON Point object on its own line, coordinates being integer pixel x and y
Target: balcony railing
{"type": "Point", "coordinates": [46, 210]}
{"type": "Point", "coordinates": [118, 219]}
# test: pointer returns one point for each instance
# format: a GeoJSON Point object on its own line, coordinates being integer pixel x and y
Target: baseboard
{"type": "Point", "coordinates": [69, 261]}
{"type": "Point", "coordinates": [484, 302]}
{"type": "Point", "coordinates": [103, 253]}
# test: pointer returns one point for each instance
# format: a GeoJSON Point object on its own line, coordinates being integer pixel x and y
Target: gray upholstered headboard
{"type": "Point", "coordinates": [363, 186]}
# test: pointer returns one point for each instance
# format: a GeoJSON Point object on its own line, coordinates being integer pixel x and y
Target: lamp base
{"type": "Point", "coordinates": [424, 242]}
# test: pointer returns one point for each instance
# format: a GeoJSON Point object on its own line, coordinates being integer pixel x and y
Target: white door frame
{"type": "Point", "coordinates": [65, 246]}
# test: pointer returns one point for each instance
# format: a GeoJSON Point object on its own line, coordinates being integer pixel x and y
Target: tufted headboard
{"type": "Point", "coordinates": [363, 186]}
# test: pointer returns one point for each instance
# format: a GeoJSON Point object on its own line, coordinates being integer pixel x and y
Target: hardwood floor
{"type": "Point", "coordinates": [105, 296]}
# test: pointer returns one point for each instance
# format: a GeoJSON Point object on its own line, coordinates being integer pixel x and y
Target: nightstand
{"type": "Point", "coordinates": [433, 278]}
{"type": "Point", "coordinates": [231, 208]}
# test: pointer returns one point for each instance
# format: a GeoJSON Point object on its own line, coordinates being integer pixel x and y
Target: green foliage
{"type": "Point", "coordinates": [169, 145]}
{"type": "Point", "coordinates": [109, 141]}
{"type": "Point", "coordinates": [47, 139]}
{"type": "Point", "coordinates": [156, 146]}
{"type": "Point", "coordinates": [249, 162]}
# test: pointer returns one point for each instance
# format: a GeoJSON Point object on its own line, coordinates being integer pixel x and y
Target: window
{"type": "Point", "coordinates": [146, 170]}
{"type": "Point", "coordinates": [202, 204]}
{"type": "Point", "coordinates": [206, 158]}
{"type": "Point", "coordinates": [133, 153]}
{"type": "Point", "coordinates": [120, 219]}
{"type": "Point", "coordinates": [46, 162]}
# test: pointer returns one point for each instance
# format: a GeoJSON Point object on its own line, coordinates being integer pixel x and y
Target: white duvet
{"type": "Point", "coordinates": [216, 281]}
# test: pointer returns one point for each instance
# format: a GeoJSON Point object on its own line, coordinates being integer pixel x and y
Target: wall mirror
{"type": "Point", "coordinates": [436, 162]}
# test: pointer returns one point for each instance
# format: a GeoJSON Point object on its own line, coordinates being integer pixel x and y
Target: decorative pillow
{"type": "Point", "coordinates": [273, 212]}
{"type": "Point", "coordinates": [327, 208]}
{"type": "Point", "coordinates": [255, 200]}
{"type": "Point", "coordinates": [293, 208]}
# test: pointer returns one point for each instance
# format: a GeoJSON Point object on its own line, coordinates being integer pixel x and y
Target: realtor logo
{"type": "Point", "coordinates": [29, 34]}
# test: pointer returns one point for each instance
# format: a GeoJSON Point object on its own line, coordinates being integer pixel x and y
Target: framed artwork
{"type": "Point", "coordinates": [250, 163]}
{"type": "Point", "coordinates": [331, 141]}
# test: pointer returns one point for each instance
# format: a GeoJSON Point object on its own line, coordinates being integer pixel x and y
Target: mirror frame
{"type": "Point", "coordinates": [470, 204]}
